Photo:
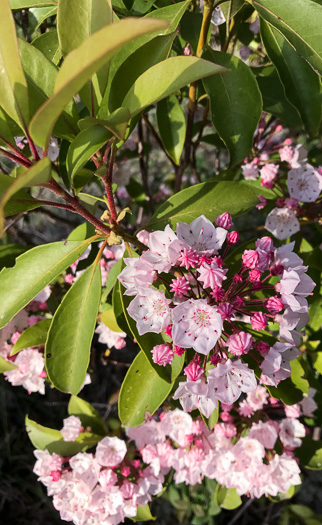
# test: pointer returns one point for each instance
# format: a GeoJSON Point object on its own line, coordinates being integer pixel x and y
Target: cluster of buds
{"type": "Point", "coordinates": [221, 314]}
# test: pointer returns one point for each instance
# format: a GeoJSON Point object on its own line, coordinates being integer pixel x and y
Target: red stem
{"type": "Point", "coordinates": [27, 163]}
{"type": "Point", "coordinates": [108, 180]}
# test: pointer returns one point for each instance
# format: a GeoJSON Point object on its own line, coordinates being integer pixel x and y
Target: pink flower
{"type": "Point", "coordinates": [229, 380]}
{"type": "Point", "coordinates": [274, 304]}
{"type": "Point", "coordinates": [258, 321]}
{"type": "Point", "coordinates": [211, 275]}
{"type": "Point", "coordinates": [250, 171]}
{"type": "Point", "coordinates": [291, 203]}
{"type": "Point", "coordinates": [224, 221]}
{"type": "Point", "coordinates": [265, 244]}
{"type": "Point", "coordinates": [178, 350]}
{"type": "Point", "coordinates": [196, 325]}
{"type": "Point", "coordinates": [162, 354]}
{"type": "Point", "coordinates": [262, 347]}
{"type": "Point", "coordinates": [201, 235]}
{"type": "Point", "coordinates": [150, 309]}
{"type": "Point", "coordinates": [262, 202]}
{"type": "Point", "coordinates": [180, 286]}
{"type": "Point", "coordinates": [110, 451]}
{"type": "Point", "coordinates": [226, 310]}
{"type": "Point", "coordinates": [135, 275]}
{"type": "Point", "coordinates": [240, 343]}
{"type": "Point", "coordinates": [72, 428]}
{"type": "Point", "coordinates": [189, 258]}
{"type": "Point", "coordinates": [269, 173]}
{"type": "Point", "coordinates": [250, 259]}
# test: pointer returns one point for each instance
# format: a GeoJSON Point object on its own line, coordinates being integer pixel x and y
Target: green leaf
{"type": "Point", "coordinates": [9, 253]}
{"type": "Point", "coordinates": [274, 100]}
{"type": "Point", "coordinates": [116, 123]}
{"type": "Point", "coordinates": [88, 17]}
{"type": "Point", "coordinates": [83, 147]}
{"type": "Point", "coordinates": [48, 44]}
{"type": "Point", "coordinates": [52, 440]}
{"type": "Point", "coordinates": [172, 126]}
{"type": "Point", "coordinates": [232, 7]}
{"type": "Point", "coordinates": [38, 15]}
{"type": "Point", "coordinates": [80, 65]}
{"type": "Point", "coordinates": [82, 232]}
{"type": "Point", "coordinates": [41, 75]}
{"type": "Point", "coordinates": [111, 280]}
{"type": "Point", "coordinates": [235, 104]}
{"type": "Point", "coordinates": [70, 336]}
{"type": "Point", "coordinates": [135, 65]}
{"type": "Point", "coordinates": [13, 84]}
{"type": "Point", "coordinates": [310, 453]}
{"type": "Point", "coordinates": [301, 83]}
{"type": "Point", "coordinates": [6, 366]}
{"type": "Point", "coordinates": [143, 513]}
{"type": "Point", "coordinates": [299, 22]}
{"type": "Point", "coordinates": [291, 390]}
{"type": "Point", "coordinates": [147, 341]}
{"type": "Point", "coordinates": [33, 271]}
{"type": "Point", "coordinates": [142, 392]}
{"type": "Point", "coordinates": [208, 198]}
{"type": "Point", "coordinates": [25, 4]}
{"type": "Point", "coordinates": [227, 498]}
{"type": "Point", "coordinates": [213, 419]}
{"type": "Point", "coordinates": [39, 173]}
{"type": "Point", "coordinates": [109, 319]}
{"type": "Point", "coordinates": [87, 414]}
{"type": "Point", "coordinates": [35, 335]}
{"type": "Point", "coordinates": [6, 129]}
{"type": "Point", "coordinates": [315, 313]}
{"type": "Point", "coordinates": [165, 78]}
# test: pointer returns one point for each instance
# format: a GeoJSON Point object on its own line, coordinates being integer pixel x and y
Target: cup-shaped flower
{"type": "Point", "coordinates": [150, 309]}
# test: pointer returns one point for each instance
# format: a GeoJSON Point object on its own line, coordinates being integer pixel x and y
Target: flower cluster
{"type": "Point", "coordinates": [223, 314]}
{"type": "Point", "coordinates": [276, 159]}
{"type": "Point", "coordinates": [236, 454]}
{"type": "Point", "coordinates": [29, 363]}
{"type": "Point", "coordinates": [101, 488]}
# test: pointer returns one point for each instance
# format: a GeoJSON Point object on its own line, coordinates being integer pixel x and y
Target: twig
{"type": "Point", "coordinates": [241, 512]}
{"type": "Point", "coordinates": [157, 138]}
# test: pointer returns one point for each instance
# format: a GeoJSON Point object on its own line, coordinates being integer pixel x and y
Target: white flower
{"type": "Point", "coordinates": [282, 223]}
{"type": "Point", "coordinates": [202, 235]}
{"type": "Point", "coordinates": [72, 428]}
{"type": "Point", "coordinates": [110, 451]}
{"type": "Point", "coordinates": [150, 309]}
{"type": "Point", "coordinates": [304, 183]}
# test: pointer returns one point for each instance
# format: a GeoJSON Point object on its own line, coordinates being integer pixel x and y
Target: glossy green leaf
{"type": "Point", "coordinates": [52, 440]}
{"type": "Point", "coordinates": [301, 83]}
{"type": "Point", "coordinates": [82, 232]}
{"type": "Point", "coordinates": [9, 253]}
{"type": "Point", "coordinates": [147, 341]}
{"type": "Point", "coordinates": [111, 279]}
{"type": "Point", "coordinates": [208, 198]}
{"type": "Point", "coordinates": [109, 319]}
{"type": "Point", "coordinates": [273, 95]}
{"type": "Point", "coordinates": [232, 7]}
{"type": "Point", "coordinates": [35, 335]}
{"type": "Point", "coordinates": [48, 44]}
{"type": "Point", "coordinates": [299, 22]}
{"type": "Point", "coordinates": [13, 84]}
{"type": "Point", "coordinates": [165, 78]}
{"type": "Point", "coordinates": [310, 453]}
{"type": "Point", "coordinates": [142, 392]}
{"type": "Point", "coordinates": [89, 16]}
{"type": "Point", "coordinates": [235, 104]}
{"type": "Point", "coordinates": [80, 65]}
{"type": "Point", "coordinates": [117, 122]}
{"type": "Point", "coordinates": [39, 173]}
{"type": "Point", "coordinates": [315, 313]}
{"type": "Point", "coordinates": [38, 15]}
{"type": "Point", "coordinates": [32, 272]}
{"type": "Point", "coordinates": [135, 65]}
{"type": "Point", "coordinates": [143, 514]}
{"type": "Point", "coordinates": [70, 336]}
{"type": "Point", "coordinates": [87, 414]}
{"type": "Point", "coordinates": [213, 419]}
{"type": "Point", "coordinates": [227, 498]}
{"type": "Point", "coordinates": [6, 366]}
{"type": "Point", "coordinates": [26, 4]}
{"type": "Point", "coordinates": [83, 147]}
{"type": "Point", "coordinates": [172, 126]}
{"type": "Point", "coordinates": [41, 75]}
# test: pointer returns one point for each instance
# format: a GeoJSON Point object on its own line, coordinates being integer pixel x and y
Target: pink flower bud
{"type": "Point", "coordinates": [239, 301]}
{"type": "Point", "coordinates": [224, 221]}
{"type": "Point", "coordinates": [278, 269]}
{"type": "Point", "coordinates": [280, 201]}
{"type": "Point", "coordinates": [136, 463]}
{"type": "Point", "coordinates": [262, 347]}
{"type": "Point", "coordinates": [232, 237]}
{"type": "Point", "coordinates": [254, 275]}
{"type": "Point", "coordinates": [162, 354]}
{"type": "Point", "coordinates": [168, 330]}
{"type": "Point", "coordinates": [193, 371]}
{"type": "Point", "coordinates": [250, 259]}
{"type": "Point", "coordinates": [258, 321]}
{"type": "Point", "coordinates": [274, 305]}
{"type": "Point", "coordinates": [178, 350]}
{"type": "Point", "coordinates": [265, 244]}
{"type": "Point", "coordinates": [125, 471]}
